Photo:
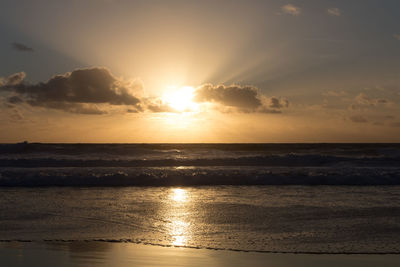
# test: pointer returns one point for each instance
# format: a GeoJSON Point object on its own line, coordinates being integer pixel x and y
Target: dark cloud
{"type": "Point", "coordinates": [278, 103]}
{"type": "Point", "coordinates": [15, 100]}
{"type": "Point", "coordinates": [13, 79]}
{"type": "Point", "coordinates": [96, 91]}
{"type": "Point", "coordinates": [77, 91]}
{"type": "Point", "coordinates": [78, 108]}
{"type": "Point", "coordinates": [243, 98]}
{"type": "Point", "coordinates": [234, 96]}
{"type": "Point", "coordinates": [21, 47]}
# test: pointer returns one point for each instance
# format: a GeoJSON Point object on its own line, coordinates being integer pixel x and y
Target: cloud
{"type": "Point", "coordinates": [278, 103]}
{"type": "Point", "coordinates": [13, 79]}
{"type": "Point", "coordinates": [14, 100]}
{"type": "Point", "coordinates": [390, 117]}
{"type": "Point", "coordinates": [96, 91]}
{"type": "Point", "coordinates": [358, 119]}
{"type": "Point", "coordinates": [363, 99]}
{"type": "Point", "coordinates": [159, 106]}
{"type": "Point", "coordinates": [334, 11]}
{"type": "Point", "coordinates": [9, 111]}
{"type": "Point", "coordinates": [242, 98]}
{"type": "Point", "coordinates": [371, 110]}
{"type": "Point", "coordinates": [79, 91]}
{"type": "Point", "coordinates": [21, 47]}
{"type": "Point", "coordinates": [291, 10]}
{"type": "Point", "coordinates": [14, 115]}
{"type": "Point", "coordinates": [396, 36]}
{"type": "Point", "coordinates": [335, 93]}
{"type": "Point", "coordinates": [78, 108]}
{"type": "Point", "coordinates": [132, 110]}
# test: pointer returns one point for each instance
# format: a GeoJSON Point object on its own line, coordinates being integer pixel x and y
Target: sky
{"type": "Point", "coordinates": [120, 71]}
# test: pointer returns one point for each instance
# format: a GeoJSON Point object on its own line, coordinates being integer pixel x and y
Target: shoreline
{"type": "Point", "coordinates": [97, 253]}
{"type": "Point", "coordinates": [127, 241]}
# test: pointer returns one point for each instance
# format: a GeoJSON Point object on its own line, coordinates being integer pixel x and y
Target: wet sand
{"type": "Point", "coordinates": [127, 254]}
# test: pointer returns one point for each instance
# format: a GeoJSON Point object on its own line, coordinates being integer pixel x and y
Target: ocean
{"type": "Point", "coordinates": [289, 198]}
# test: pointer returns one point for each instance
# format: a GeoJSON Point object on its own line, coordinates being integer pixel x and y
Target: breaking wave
{"type": "Point", "coordinates": [193, 176]}
{"type": "Point", "coordinates": [199, 164]}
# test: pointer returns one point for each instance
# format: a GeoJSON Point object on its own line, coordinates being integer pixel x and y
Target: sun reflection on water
{"type": "Point", "coordinates": [177, 211]}
{"type": "Point", "coordinates": [179, 195]}
{"type": "Point", "coordinates": [179, 232]}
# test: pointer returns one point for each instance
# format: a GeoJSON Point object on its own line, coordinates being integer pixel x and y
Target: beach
{"type": "Point", "coordinates": [124, 254]}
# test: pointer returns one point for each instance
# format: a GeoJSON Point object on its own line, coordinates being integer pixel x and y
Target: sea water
{"type": "Point", "coordinates": [310, 198]}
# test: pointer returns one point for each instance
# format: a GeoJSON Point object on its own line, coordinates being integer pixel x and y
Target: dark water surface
{"type": "Point", "coordinates": [198, 164]}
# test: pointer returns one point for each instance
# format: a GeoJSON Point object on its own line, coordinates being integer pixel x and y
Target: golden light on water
{"type": "Point", "coordinates": [177, 214]}
{"type": "Point", "coordinates": [179, 241]}
{"type": "Point", "coordinates": [179, 195]}
{"type": "Point", "coordinates": [179, 232]}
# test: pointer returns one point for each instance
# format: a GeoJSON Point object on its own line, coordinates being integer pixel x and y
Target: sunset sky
{"type": "Point", "coordinates": [121, 71]}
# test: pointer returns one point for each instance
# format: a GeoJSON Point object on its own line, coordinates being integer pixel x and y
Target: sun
{"type": "Point", "coordinates": [180, 98]}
